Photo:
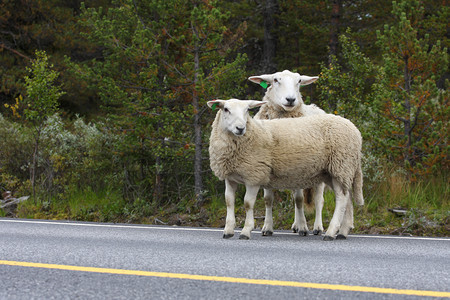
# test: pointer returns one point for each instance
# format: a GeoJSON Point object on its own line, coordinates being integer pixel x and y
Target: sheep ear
{"type": "Point", "coordinates": [255, 103]}
{"type": "Point", "coordinates": [258, 79]}
{"type": "Point", "coordinates": [216, 103]}
{"type": "Point", "coordinates": [305, 80]}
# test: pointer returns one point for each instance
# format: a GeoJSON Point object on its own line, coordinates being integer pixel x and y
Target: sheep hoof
{"type": "Point", "coordinates": [267, 233]}
{"type": "Point", "coordinates": [244, 237]}
{"type": "Point", "coordinates": [294, 230]}
{"type": "Point", "coordinates": [328, 238]}
{"type": "Point", "coordinates": [341, 237]}
{"type": "Point", "coordinates": [303, 233]}
{"type": "Point", "coordinates": [317, 232]}
{"type": "Point", "coordinates": [227, 236]}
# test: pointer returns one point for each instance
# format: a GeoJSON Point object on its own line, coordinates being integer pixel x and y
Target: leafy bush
{"type": "Point", "coordinates": [77, 156]}
{"type": "Point", "coordinates": [15, 152]}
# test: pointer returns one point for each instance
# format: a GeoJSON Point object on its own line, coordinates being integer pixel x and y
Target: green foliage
{"type": "Point", "coordinates": [344, 88]}
{"type": "Point", "coordinates": [27, 26]}
{"type": "Point", "coordinates": [396, 103]}
{"type": "Point", "coordinates": [40, 102]}
{"type": "Point", "coordinates": [154, 79]}
{"type": "Point", "coordinates": [42, 93]}
{"type": "Point", "coordinates": [407, 92]}
{"type": "Point", "coordinates": [15, 151]}
{"type": "Point", "coordinates": [76, 157]}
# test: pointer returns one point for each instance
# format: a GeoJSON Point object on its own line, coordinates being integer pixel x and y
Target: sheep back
{"type": "Point", "coordinates": [270, 111]}
{"type": "Point", "coordinates": [306, 151]}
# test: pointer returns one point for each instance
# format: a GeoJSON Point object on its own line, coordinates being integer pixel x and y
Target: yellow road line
{"type": "Point", "coordinates": [336, 287]}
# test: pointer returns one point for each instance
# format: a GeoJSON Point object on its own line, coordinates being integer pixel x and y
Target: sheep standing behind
{"type": "Point", "coordinates": [266, 153]}
{"type": "Point", "coordinates": [284, 100]}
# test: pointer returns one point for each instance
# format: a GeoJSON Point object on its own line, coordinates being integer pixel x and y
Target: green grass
{"type": "Point", "coordinates": [85, 205]}
{"type": "Point", "coordinates": [427, 206]}
{"type": "Point", "coordinates": [105, 204]}
{"type": "Point", "coordinates": [426, 203]}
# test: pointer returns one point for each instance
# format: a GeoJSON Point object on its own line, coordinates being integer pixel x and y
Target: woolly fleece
{"type": "Point", "coordinates": [287, 153]}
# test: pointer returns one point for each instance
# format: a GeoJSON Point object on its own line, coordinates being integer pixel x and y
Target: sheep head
{"type": "Point", "coordinates": [284, 87]}
{"type": "Point", "coordinates": [234, 114]}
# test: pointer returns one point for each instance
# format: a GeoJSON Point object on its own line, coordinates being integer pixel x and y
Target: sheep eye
{"type": "Point", "coordinates": [226, 110]}
{"type": "Point", "coordinates": [275, 80]}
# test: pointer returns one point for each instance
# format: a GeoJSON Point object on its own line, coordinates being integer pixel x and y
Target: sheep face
{"type": "Point", "coordinates": [234, 114]}
{"type": "Point", "coordinates": [284, 87]}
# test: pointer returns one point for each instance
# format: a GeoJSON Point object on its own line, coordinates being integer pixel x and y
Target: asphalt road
{"type": "Point", "coordinates": [74, 260]}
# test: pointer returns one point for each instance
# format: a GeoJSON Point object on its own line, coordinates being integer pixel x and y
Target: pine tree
{"type": "Point", "coordinates": [162, 61]}
{"type": "Point", "coordinates": [407, 92]}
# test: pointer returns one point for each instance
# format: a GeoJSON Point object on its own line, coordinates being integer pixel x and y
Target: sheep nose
{"type": "Point", "coordinates": [240, 130]}
{"type": "Point", "coordinates": [290, 101]}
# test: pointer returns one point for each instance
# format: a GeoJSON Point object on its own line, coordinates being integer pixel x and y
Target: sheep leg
{"type": "Point", "coordinates": [358, 186]}
{"type": "Point", "coordinates": [268, 220]}
{"type": "Point", "coordinates": [249, 201]}
{"type": "Point", "coordinates": [318, 203]}
{"type": "Point", "coordinates": [230, 223]}
{"type": "Point", "coordinates": [342, 197]}
{"type": "Point", "coordinates": [347, 223]}
{"type": "Point", "coordinates": [299, 225]}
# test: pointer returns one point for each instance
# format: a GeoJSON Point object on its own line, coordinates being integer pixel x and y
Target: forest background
{"type": "Point", "coordinates": [103, 115]}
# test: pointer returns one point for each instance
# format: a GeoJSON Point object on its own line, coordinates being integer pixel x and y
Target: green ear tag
{"type": "Point", "coordinates": [214, 106]}
{"type": "Point", "coordinates": [263, 84]}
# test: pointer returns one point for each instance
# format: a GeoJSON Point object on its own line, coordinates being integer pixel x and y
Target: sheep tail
{"type": "Point", "coordinates": [308, 198]}
{"type": "Point", "coordinates": [358, 186]}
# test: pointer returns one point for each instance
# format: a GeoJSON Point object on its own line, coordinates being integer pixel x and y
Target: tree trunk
{"type": "Point", "coordinates": [268, 64]}
{"type": "Point", "coordinates": [334, 30]}
{"type": "Point", "coordinates": [34, 163]}
{"type": "Point", "coordinates": [159, 178]}
{"type": "Point", "coordinates": [198, 181]}
{"type": "Point", "coordinates": [407, 119]}
{"type": "Point", "coordinates": [159, 184]}
{"type": "Point", "coordinates": [158, 189]}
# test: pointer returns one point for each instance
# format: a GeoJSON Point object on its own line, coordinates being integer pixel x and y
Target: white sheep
{"type": "Point", "coordinates": [284, 100]}
{"type": "Point", "coordinates": [283, 95]}
{"type": "Point", "coordinates": [268, 154]}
